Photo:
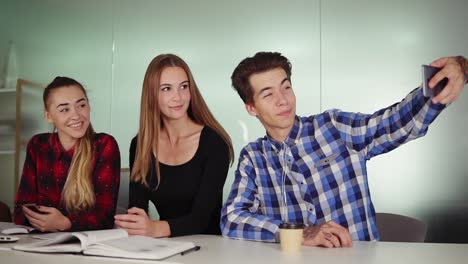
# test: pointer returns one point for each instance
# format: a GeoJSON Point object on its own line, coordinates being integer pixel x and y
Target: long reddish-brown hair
{"type": "Point", "coordinates": [150, 115]}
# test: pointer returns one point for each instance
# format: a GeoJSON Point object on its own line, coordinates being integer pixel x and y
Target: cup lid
{"type": "Point", "coordinates": [289, 225]}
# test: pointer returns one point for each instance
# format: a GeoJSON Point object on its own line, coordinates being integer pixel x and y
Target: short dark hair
{"type": "Point", "coordinates": [260, 62]}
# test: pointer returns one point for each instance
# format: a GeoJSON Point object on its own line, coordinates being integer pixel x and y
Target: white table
{"type": "Point", "coordinates": [215, 249]}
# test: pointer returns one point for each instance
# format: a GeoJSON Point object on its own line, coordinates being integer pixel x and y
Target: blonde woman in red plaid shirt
{"type": "Point", "coordinates": [70, 177]}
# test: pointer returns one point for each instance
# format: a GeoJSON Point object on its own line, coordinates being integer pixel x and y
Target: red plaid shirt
{"type": "Point", "coordinates": [45, 172]}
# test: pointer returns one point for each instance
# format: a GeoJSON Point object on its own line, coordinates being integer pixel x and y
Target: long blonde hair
{"type": "Point", "coordinates": [78, 191]}
{"type": "Point", "coordinates": [150, 115]}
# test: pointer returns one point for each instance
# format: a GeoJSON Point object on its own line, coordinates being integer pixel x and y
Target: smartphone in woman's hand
{"type": "Point", "coordinates": [32, 207]}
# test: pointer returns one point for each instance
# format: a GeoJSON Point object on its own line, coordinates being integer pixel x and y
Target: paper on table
{"type": "Point", "coordinates": [9, 228]}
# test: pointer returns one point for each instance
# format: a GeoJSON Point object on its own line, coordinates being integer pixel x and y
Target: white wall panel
{"type": "Point", "coordinates": [371, 58]}
{"type": "Point", "coordinates": [213, 37]}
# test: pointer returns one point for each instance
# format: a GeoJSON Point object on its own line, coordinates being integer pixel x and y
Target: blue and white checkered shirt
{"type": "Point", "coordinates": [322, 164]}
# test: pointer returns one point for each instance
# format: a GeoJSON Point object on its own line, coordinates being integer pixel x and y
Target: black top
{"type": "Point", "coordinates": [190, 195]}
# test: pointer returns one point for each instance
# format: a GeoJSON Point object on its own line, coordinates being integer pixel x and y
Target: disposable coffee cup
{"type": "Point", "coordinates": [291, 237]}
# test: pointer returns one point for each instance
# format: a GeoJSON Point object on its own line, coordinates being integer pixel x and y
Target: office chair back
{"type": "Point", "coordinates": [400, 228]}
{"type": "Point", "coordinates": [5, 214]}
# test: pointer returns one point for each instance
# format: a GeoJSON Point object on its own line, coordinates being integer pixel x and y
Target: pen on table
{"type": "Point", "coordinates": [196, 248]}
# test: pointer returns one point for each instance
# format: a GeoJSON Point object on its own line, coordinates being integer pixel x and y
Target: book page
{"type": "Point", "coordinates": [64, 242]}
{"type": "Point", "coordinates": [139, 247]}
{"type": "Point", "coordinates": [72, 242]}
{"type": "Point", "coordinates": [92, 237]}
{"type": "Point", "coordinates": [48, 235]}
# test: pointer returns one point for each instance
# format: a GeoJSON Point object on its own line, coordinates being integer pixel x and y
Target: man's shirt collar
{"type": "Point", "coordinates": [291, 139]}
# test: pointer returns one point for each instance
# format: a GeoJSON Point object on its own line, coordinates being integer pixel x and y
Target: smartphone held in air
{"type": "Point", "coordinates": [427, 73]}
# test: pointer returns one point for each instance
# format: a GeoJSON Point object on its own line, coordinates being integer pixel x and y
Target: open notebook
{"type": "Point", "coordinates": [110, 243]}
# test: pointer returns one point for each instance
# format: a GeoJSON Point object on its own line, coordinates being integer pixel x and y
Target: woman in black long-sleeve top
{"type": "Point", "coordinates": [179, 160]}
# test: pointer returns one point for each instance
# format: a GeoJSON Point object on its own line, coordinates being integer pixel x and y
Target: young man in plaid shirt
{"type": "Point", "coordinates": [312, 170]}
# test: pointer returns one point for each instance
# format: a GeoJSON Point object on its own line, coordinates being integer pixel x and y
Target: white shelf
{"type": "Point", "coordinates": [7, 151]}
{"type": "Point", "coordinates": [7, 90]}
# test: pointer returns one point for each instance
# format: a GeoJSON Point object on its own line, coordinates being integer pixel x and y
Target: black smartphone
{"type": "Point", "coordinates": [427, 73]}
{"type": "Point", "coordinates": [32, 207]}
